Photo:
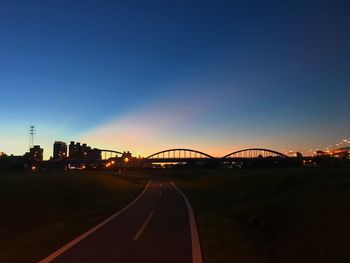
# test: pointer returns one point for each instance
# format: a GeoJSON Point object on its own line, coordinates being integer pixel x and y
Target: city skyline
{"type": "Point", "coordinates": [212, 76]}
{"type": "Point", "coordinates": [60, 150]}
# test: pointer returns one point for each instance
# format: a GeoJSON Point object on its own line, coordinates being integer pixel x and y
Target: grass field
{"type": "Point", "coordinates": [42, 212]}
{"type": "Point", "coordinates": [277, 215]}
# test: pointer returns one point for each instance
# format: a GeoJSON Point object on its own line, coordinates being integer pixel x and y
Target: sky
{"type": "Point", "coordinates": [145, 76]}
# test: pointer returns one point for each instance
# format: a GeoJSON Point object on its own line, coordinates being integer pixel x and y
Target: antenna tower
{"type": "Point", "coordinates": [31, 136]}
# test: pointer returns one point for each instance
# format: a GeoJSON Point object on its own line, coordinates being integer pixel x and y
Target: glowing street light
{"type": "Point", "coordinates": [126, 159]}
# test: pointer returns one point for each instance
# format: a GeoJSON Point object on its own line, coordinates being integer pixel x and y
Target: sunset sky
{"type": "Point", "coordinates": [144, 76]}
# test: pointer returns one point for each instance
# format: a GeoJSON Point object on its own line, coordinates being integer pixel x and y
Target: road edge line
{"type": "Point", "coordinates": [143, 227]}
{"type": "Point", "coordinates": [89, 232]}
{"type": "Point", "coordinates": [196, 246]}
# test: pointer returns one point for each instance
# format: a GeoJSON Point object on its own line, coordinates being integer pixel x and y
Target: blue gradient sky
{"type": "Point", "coordinates": [148, 75]}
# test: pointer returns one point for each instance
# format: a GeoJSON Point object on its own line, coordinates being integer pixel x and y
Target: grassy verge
{"type": "Point", "coordinates": [287, 215]}
{"type": "Point", "coordinates": [40, 213]}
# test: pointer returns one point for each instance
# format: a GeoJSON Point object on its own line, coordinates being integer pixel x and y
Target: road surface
{"type": "Point", "coordinates": [158, 226]}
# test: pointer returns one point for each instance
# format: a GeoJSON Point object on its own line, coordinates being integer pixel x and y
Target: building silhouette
{"type": "Point", "coordinates": [36, 153]}
{"type": "Point", "coordinates": [83, 151]}
{"type": "Point", "coordinates": [59, 150]}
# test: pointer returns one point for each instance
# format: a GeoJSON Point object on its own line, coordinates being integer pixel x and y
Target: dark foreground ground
{"type": "Point", "coordinates": [261, 215]}
{"type": "Point", "coordinates": [287, 215]}
{"type": "Point", "coordinates": [42, 212]}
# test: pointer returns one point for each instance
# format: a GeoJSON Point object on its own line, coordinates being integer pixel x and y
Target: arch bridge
{"type": "Point", "coordinates": [252, 153]}
{"type": "Point", "coordinates": [178, 155]}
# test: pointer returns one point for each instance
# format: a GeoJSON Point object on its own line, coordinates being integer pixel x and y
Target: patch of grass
{"type": "Point", "coordinates": [41, 212]}
{"type": "Point", "coordinates": [270, 215]}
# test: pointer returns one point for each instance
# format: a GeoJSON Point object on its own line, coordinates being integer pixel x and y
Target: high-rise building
{"type": "Point", "coordinates": [71, 148]}
{"type": "Point", "coordinates": [83, 151]}
{"type": "Point", "coordinates": [59, 150]}
{"type": "Point", "coordinates": [35, 153]}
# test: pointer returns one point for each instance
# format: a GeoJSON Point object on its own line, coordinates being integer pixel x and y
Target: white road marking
{"type": "Point", "coordinates": [86, 234]}
{"type": "Point", "coordinates": [142, 228]}
{"type": "Point", "coordinates": [196, 246]}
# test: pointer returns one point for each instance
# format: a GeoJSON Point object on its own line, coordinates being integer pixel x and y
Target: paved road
{"type": "Point", "coordinates": [155, 228]}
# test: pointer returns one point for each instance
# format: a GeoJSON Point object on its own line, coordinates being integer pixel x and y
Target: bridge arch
{"type": "Point", "coordinates": [254, 153]}
{"type": "Point", "coordinates": [179, 153]}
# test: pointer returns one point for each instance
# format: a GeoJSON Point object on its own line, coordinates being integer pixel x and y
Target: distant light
{"type": "Point", "coordinates": [112, 162]}
{"type": "Point", "coordinates": [33, 168]}
{"type": "Point", "coordinates": [126, 159]}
